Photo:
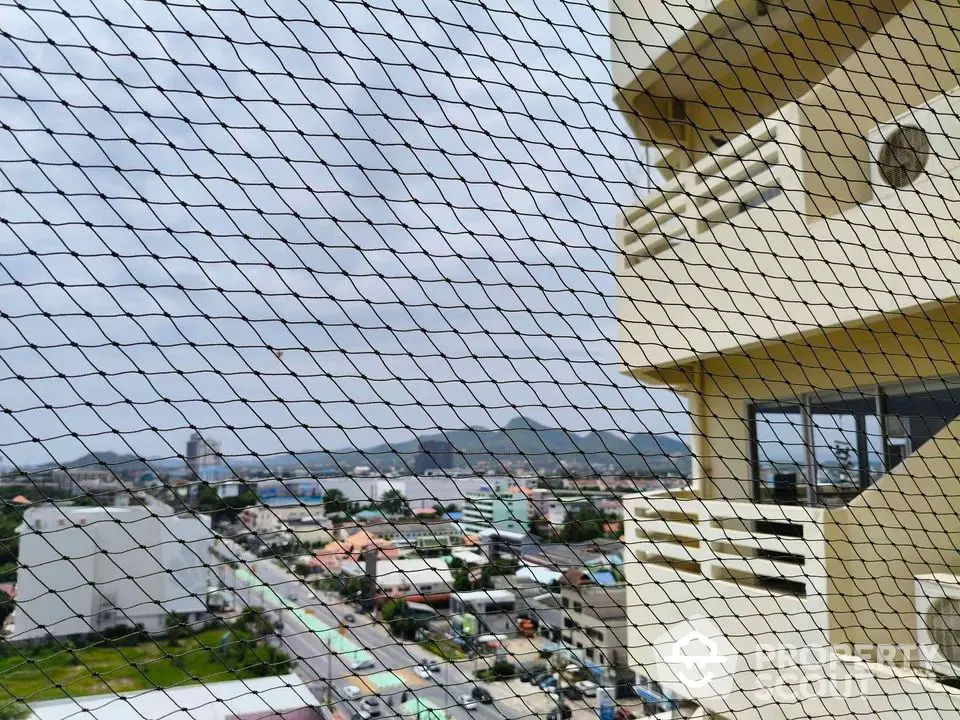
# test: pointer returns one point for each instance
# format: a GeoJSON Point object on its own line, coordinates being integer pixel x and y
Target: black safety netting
{"type": "Point", "coordinates": [501, 359]}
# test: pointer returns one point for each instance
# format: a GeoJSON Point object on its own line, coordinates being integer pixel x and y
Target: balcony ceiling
{"type": "Point", "coordinates": [754, 66]}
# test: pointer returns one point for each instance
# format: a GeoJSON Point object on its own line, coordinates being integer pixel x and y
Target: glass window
{"type": "Point", "coordinates": [778, 452]}
{"type": "Point", "coordinates": [826, 448]}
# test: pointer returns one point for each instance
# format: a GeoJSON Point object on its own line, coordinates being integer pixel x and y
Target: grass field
{"type": "Point", "coordinates": [50, 673]}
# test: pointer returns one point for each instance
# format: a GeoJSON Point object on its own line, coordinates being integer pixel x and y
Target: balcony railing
{"type": "Point", "coordinates": [780, 549]}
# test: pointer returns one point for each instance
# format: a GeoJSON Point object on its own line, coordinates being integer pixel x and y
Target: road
{"type": "Point", "coordinates": [312, 625]}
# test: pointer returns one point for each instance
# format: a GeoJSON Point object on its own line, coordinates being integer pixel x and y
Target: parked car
{"type": "Point", "coordinates": [587, 687]}
{"type": "Point", "coordinates": [370, 703]}
{"type": "Point", "coordinates": [571, 693]}
{"type": "Point", "coordinates": [548, 683]}
{"type": "Point", "coordinates": [349, 618]}
{"type": "Point", "coordinates": [565, 713]}
{"type": "Point", "coordinates": [467, 702]}
{"type": "Point", "coordinates": [481, 694]}
{"type": "Point", "coordinates": [537, 679]}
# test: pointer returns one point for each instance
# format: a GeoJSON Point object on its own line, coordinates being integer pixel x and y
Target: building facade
{"type": "Point", "coordinates": [435, 457]}
{"type": "Point", "coordinates": [202, 453]}
{"type": "Point", "coordinates": [496, 507]}
{"type": "Point", "coordinates": [802, 152]}
{"type": "Point", "coordinates": [594, 621]}
{"type": "Point", "coordinates": [89, 569]}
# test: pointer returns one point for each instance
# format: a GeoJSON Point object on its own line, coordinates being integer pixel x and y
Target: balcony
{"type": "Point", "coordinates": [813, 574]}
{"type": "Point", "coordinates": [779, 550]}
{"type": "Point", "coordinates": [701, 257]}
{"type": "Point", "coordinates": [748, 172]}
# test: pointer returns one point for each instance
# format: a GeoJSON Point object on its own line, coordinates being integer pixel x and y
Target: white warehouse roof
{"type": "Point", "coordinates": [217, 701]}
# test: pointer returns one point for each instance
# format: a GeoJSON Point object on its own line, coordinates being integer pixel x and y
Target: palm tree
{"type": "Point", "coordinates": [394, 503]}
{"type": "Point", "coordinates": [334, 502]}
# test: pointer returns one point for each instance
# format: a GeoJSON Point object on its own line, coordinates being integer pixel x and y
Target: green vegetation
{"type": "Point", "coordinates": [501, 670]}
{"type": "Point", "coordinates": [397, 618]}
{"type": "Point", "coordinates": [14, 711]}
{"type": "Point", "coordinates": [335, 503]}
{"type": "Point", "coordinates": [394, 503]}
{"type": "Point", "coordinates": [586, 524]}
{"type": "Point", "coordinates": [215, 654]}
{"type": "Point", "coordinates": [443, 648]}
{"type": "Point", "coordinates": [223, 508]}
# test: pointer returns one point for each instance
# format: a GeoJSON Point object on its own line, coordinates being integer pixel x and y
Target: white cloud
{"type": "Point", "coordinates": [422, 221]}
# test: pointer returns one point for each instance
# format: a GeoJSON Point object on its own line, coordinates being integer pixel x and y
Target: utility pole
{"type": "Point", "coordinates": [559, 677]}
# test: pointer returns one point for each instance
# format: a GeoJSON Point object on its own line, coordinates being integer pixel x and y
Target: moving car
{"type": "Point", "coordinates": [366, 664]}
{"type": "Point", "coordinates": [565, 713]}
{"type": "Point", "coordinates": [467, 702]}
{"type": "Point", "coordinates": [422, 672]}
{"type": "Point", "coordinates": [350, 691]}
{"type": "Point", "coordinates": [481, 694]}
{"type": "Point", "coordinates": [349, 618]}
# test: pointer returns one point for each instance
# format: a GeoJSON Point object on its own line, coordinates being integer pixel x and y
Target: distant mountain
{"type": "Point", "coordinates": [522, 441]}
{"type": "Point", "coordinates": [116, 462]}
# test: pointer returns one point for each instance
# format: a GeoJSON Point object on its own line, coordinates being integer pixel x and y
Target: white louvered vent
{"type": "Point", "coordinates": [655, 227]}
{"type": "Point", "coordinates": [741, 175]}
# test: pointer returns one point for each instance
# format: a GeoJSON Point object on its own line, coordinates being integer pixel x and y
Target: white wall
{"type": "Point", "coordinates": [124, 552]}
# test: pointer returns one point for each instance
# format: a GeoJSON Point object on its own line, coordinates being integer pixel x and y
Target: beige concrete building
{"type": "Point", "coordinates": [595, 622]}
{"type": "Point", "coordinates": [793, 275]}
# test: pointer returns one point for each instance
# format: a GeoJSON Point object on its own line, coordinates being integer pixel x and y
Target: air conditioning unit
{"type": "Point", "coordinates": [937, 600]}
{"type": "Point", "coordinates": [923, 142]}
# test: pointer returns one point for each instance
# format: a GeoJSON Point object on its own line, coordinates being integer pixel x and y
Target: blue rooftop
{"type": "Point", "coordinates": [289, 500]}
{"type": "Point", "coordinates": [603, 577]}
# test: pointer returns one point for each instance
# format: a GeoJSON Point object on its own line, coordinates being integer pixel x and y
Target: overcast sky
{"type": "Point", "coordinates": [414, 206]}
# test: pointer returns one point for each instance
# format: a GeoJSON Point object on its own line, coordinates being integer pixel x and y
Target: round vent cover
{"type": "Point", "coordinates": [904, 155]}
{"type": "Point", "coordinates": [943, 624]}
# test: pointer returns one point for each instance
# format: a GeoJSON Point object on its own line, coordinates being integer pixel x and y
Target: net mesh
{"type": "Point", "coordinates": [507, 359]}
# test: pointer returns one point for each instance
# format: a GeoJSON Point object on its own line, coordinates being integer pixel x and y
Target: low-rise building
{"type": "Point", "coordinates": [334, 556]}
{"type": "Point", "coordinates": [72, 482]}
{"type": "Point", "coordinates": [89, 569]}
{"type": "Point", "coordinates": [497, 507]}
{"type": "Point", "coordinates": [423, 580]}
{"type": "Point", "coordinates": [595, 619]}
{"type": "Point", "coordinates": [276, 517]}
{"type": "Point", "coordinates": [418, 533]}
